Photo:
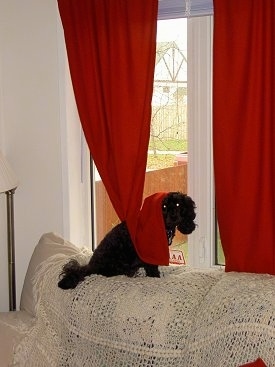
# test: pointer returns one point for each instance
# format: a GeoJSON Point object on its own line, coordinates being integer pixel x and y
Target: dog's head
{"type": "Point", "coordinates": [178, 212]}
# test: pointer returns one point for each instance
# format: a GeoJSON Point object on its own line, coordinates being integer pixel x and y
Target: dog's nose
{"type": "Point", "coordinates": [175, 215]}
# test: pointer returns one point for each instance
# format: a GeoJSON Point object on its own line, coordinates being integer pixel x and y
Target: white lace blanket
{"type": "Point", "coordinates": [186, 318]}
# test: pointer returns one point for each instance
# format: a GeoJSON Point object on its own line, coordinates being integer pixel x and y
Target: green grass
{"type": "Point", "coordinates": [168, 144]}
{"type": "Point", "coordinates": [158, 161]}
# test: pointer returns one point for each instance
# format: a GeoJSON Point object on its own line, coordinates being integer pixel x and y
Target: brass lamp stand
{"type": "Point", "coordinates": [8, 184]}
{"type": "Point", "coordinates": [11, 249]}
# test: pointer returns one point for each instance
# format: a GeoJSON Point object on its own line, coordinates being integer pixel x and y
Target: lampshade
{"type": "Point", "coordinates": [8, 180]}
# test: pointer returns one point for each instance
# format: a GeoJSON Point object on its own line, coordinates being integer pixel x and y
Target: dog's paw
{"type": "Point", "coordinates": [152, 271]}
{"type": "Point", "coordinates": [68, 282]}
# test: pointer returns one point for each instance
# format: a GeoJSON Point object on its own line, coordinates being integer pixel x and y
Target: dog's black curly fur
{"type": "Point", "coordinates": [116, 255]}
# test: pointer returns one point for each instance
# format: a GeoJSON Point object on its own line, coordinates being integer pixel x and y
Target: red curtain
{"type": "Point", "coordinates": [258, 363]}
{"type": "Point", "coordinates": [244, 132]}
{"type": "Point", "coordinates": [111, 47]}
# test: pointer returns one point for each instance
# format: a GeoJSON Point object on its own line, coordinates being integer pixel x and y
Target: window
{"type": "Point", "coordinates": [219, 254]}
{"type": "Point", "coordinates": [167, 153]}
{"type": "Point", "coordinates": [176, 144]}
{"type": "Point", "coordinates": [168, 147]}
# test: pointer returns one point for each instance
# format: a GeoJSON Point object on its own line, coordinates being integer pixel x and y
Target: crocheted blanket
{"type": "Point", "coordinates": [186, 318]}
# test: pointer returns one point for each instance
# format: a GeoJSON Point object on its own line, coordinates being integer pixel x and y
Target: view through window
{"type": "Point", "coordinates": [219, 258]}
{"type": "Point", "coordinates": [167, 164]}
{"type": "Point", "coordinates": [168, 147]}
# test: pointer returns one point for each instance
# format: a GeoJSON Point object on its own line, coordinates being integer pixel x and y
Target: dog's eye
{"type": "Point", "coordinates": [177, 204]}
{"type": "Point", "coordinates": [164, 206]}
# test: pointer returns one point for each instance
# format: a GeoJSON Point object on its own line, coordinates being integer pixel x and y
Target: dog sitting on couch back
{"type": "Point", "coordinates": [116, 254]}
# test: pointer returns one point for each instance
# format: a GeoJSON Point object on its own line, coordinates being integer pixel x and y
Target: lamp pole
{"type": "Point", "coordinates": [11, 249]}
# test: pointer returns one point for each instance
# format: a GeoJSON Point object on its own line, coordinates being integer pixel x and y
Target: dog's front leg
{"type": "Point", "coordinates": [151, 271]}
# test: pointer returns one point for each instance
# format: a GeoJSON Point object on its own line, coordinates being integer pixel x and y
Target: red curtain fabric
{"type": "Point", "coordinates": [111, 47]}
{"type": "Point", "coordinates": [151, 231]}
{"type": "Point", "coordinates": [244, 132]}
{"type": "Point", "coordinates": [258, 363]}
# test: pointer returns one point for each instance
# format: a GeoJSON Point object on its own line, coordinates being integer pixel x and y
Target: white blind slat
{"type": "Point", "coordinates": [169, 9]}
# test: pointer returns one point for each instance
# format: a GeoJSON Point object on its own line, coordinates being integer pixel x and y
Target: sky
{"type": "Point", "coordinates": [169, 30]}
{"type": "Point", "coordinates": [173, 30]}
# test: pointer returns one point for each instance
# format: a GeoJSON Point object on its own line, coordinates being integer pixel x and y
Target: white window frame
{"type": "Point", "coordinates": [201, 243]}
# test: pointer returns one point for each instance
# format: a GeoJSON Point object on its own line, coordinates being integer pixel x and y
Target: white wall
{"type": "Point", "coordinates": [40, 134]}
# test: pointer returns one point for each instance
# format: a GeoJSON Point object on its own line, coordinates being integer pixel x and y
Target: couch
{"type": "Point", "coordinates": [188, 317]}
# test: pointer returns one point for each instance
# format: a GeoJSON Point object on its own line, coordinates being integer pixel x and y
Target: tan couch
{"type": "Point", "coordinates": [13, 325]}
{"type": "Point", "coordinates": [186, 318]}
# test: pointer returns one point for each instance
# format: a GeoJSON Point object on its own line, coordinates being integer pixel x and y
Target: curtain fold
{"type": "Point", "coordinates": [244, 132]}
{"type": "Point", "coordinates": [111, 47]}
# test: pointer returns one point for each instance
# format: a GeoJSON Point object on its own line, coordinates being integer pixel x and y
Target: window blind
{"type": "Point", "coordinates": [171, 9]}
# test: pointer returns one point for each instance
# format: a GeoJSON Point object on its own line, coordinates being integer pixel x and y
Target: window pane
{"type": "Point", "coordinates": [218, 247]}
{"type": "Point", "coordinates": [168, 147]}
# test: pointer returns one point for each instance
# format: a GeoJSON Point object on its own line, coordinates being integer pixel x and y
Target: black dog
{"type": "Point", "coordinates": [116, 255]}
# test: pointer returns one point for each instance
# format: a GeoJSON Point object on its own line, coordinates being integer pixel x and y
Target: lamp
{"type": "Point", "coordinates": [8, 184]}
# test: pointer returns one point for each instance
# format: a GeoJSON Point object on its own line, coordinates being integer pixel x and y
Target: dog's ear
{"type": "Point", "coordinates": [188, 214]}
{"type": "Point", "coordinates": [186, 227]}
{"type": "Point", "coordinates": [189, 207]}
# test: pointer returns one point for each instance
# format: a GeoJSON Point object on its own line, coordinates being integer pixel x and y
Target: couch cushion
{"type": "Point", "coordinates": [49, 244]}
{"type": "Point", "coordinates": [13, 327]}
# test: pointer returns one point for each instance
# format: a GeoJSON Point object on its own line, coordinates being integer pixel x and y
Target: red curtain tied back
{"type": "Point", "coordinates": [111, 47]}
{"type": "Point", "coordinates": [151, 237]}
